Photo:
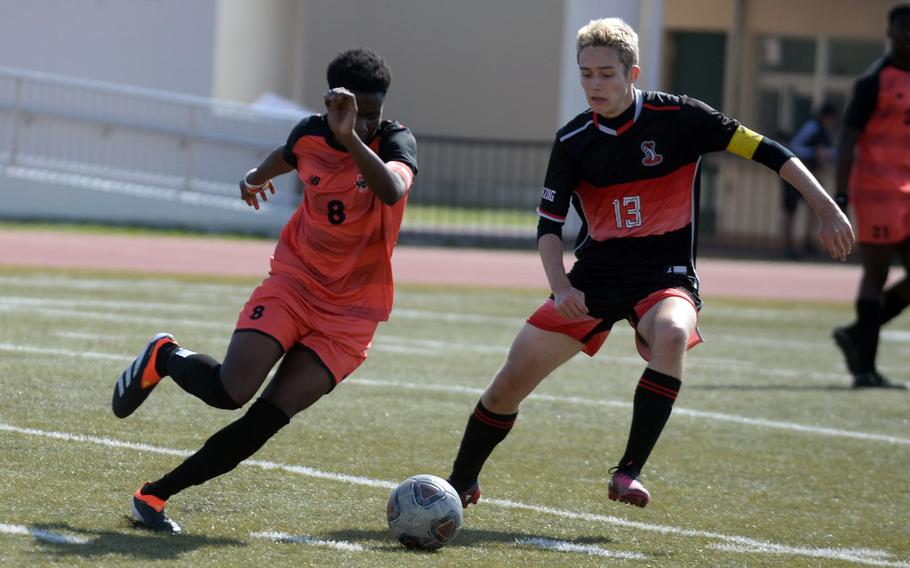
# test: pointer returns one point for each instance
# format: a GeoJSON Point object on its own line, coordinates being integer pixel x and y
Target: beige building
{"type": "Point", "coordinates": [473, 68]}
{"type": "Point", "coordinates": [505, 69]}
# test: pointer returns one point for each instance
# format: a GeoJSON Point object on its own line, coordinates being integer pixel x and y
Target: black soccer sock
{"type": "Point", "coordinates": [197, 374]}
{"type": "Point", "coordinates": [224, 450]}
{"type": "Point", "coordinates": [894, 301]}
{"type": "Point", "coordinates": [865, 332]}
{"type": "Point", "coordinates": [651, 408]}
{"type": "Point", "coordinates": [484, 431]}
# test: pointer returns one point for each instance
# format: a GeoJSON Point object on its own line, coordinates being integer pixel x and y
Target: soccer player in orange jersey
{"type": "Point", "coordinates": [329, 286]}
{"type": "Point", "coordinates": [874, 164]}
{"type": "Point", "coordinates": [629, 165]}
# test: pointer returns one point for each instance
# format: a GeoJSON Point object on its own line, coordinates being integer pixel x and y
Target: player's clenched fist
{"type": "Point", "coordinates": [570, 303]}
{"type": "Point", "coordinates": [341, 112]}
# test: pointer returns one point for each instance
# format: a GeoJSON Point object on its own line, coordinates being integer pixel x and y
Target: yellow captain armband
{"type": "Point", "coordinates": [744, 142]}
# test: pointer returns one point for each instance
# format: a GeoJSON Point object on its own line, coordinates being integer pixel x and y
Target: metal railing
{"type": "Point", "coordinates": [133, 135]}
{"type": "Point", "coordinates": [468, 191]}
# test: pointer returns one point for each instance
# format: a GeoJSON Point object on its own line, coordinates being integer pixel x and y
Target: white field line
{"type": "Point", "coordinates": [81, 315]}
{"type": "Point", "coordinates": [681, 411]}
{"type": "Point", "coordinates": [409, 346]}
{"type": "Point", "coordinates": [70, 308]}
{"type": "Point", "coordinates": [25, 302]}
{"type": "Point", "coordinates": [564, 546]}
{"type": "Point", "coordinates": [845, 554]}
{"type": "Point", "coordinates": [304, 539]}
{"type": "Point", "coordinates": [867, 556]}
{"type": "Point", "coordinates": [87, 335]}
{"type": "Point", "coordinates": [429, 348]}
{"type": "Point", "coordinates": [58, 282]}
{"type": "Point", "coordinates": [42, 534]}
{"type": "Point", "coordinates": [77, 303]}
{"type": "Point", "coordinates": [572, 400]}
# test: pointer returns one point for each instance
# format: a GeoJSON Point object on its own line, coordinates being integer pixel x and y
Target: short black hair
{"type": "Point", "coordinates": [898, 12]}
{"type": "Point", "coordinates": [359, 69]}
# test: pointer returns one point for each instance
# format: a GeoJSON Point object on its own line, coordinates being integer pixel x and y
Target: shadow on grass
{"type": "Point", "coordinates": [466, 538]}
{"type": "Point", "coordinates": [136, 543]}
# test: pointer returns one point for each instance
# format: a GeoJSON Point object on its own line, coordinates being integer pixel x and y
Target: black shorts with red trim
{"type": "Point", "coordinates": [611, 294]}
{"type": "Point", "coordinates": [612, 301]}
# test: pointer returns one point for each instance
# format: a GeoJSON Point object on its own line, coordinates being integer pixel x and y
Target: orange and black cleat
{"type": "Point", "coordinates": [138, 380]}
{"type": "Point", "coordinates": [148, 511]}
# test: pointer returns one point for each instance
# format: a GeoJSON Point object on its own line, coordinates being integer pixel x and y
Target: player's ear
{"type": "Point", "coordinates": [634, 71]}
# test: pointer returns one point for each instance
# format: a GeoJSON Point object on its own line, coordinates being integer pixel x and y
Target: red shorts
{"type": "Point", "coordinates": [882, 218]}
{"type": "Point", "coordinates": [592, 332]}
{"type": "Point", "coordinates": [277, 310]}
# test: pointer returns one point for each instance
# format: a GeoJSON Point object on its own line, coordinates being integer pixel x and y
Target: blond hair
{"type": "Point", "coordinates": [610, 32]}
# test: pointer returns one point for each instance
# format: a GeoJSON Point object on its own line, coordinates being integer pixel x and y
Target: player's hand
{"type": "Point", "coordinates": [341, 112]}
{"type": "Point", "coordinates": [836, 234]}
{"type": "Point", "coordinates": [570, 303]}
{"type": "Point", "coordinates": [251, 194]}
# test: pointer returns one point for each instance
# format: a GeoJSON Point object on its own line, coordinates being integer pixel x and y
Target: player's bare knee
{"type": "Point", "coordinates": [671, 336]}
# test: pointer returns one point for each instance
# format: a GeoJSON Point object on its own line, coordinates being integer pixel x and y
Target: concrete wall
{"type": "Point", "coordinates": [165, 44]}
{"type": "Point", "coordinates": [466, 68]}
{"type": "Point", "coordinates": [254, 44]}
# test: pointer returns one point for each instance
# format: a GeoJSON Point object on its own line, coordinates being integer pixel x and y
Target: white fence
{"type": "Point", "coordinates": [81, 150]}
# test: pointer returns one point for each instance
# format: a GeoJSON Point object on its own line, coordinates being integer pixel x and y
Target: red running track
{"type": "Point", "coordinates": [414, 265]}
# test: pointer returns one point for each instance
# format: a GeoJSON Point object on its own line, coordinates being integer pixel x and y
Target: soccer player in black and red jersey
{"type": "Point", "coordinates": [629, 165]}
{"type": "Point", "coordinates": [874, 164]}
{"type": "Point", "coordinates": [329, 286]}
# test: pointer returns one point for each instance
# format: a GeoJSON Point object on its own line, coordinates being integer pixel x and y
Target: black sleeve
{"type": "Point", "coordinates": [708, 129]}
{"type": "Point", "coordinates": [772, 154]}
{"type": "Point", "coordinates": [560, 182]}
{"type": "Point", "coordinates": [397, 144]}
{"type": "Point", "coordinates": [295, 135]}
{"type": "Point", "coordinates": [862, 105]}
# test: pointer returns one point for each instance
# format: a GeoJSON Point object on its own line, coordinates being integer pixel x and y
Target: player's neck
{"type": "Point", "coordinates": [628, 102]}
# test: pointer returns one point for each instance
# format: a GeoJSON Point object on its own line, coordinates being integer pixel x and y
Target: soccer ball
{"type": "Point", "coordinates": [424, 512]}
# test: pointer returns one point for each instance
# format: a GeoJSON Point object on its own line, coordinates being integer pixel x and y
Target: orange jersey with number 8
{"type": "Point", "coordinates": [338, 243]}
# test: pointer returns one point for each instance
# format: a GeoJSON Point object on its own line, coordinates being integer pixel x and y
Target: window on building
{"type": "Point", "coordinates": [798, 74]}
{"type": "Point", "coordinates": [852, 57]}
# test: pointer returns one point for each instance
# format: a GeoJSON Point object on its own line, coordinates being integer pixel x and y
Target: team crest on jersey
{"type": "Point", "coordinates": [360, 183]}
{"type": "Point", "coordinates": [652, 158]}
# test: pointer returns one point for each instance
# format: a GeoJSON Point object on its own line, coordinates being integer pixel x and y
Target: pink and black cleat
{"type": "Point", "coordinates": [627, 488]}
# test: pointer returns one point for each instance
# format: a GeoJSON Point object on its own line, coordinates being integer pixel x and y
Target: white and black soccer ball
{"type": "Point", "coordinates": [424, 512]}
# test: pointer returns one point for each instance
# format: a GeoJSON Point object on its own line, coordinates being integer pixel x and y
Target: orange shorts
{"type": "Point", "coordinates": [592, 332]}
{"type": "Point", "coordinates": [882, 218]}
{"type": "Point", "coordinates": [277, 310]}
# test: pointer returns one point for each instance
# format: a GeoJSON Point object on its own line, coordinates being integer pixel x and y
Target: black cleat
{"type": "Point", "coordinates": [848, 348]}
{"type": "Point", "coordinates": [148, 511]}
{"type": "Point", "coordinates": [874, 379]}
{"type": "Point", "coordinates": [137, 381]}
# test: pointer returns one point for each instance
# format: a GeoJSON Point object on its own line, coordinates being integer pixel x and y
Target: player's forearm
{"type": "Point", "coordinates": [550, 248]}
{"type": "Point", "coordinates": [387, 185]}
{"type": "Point", "coordinates": [272, 166]}
{"type": "Point", "coordinates": [796, 174]}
